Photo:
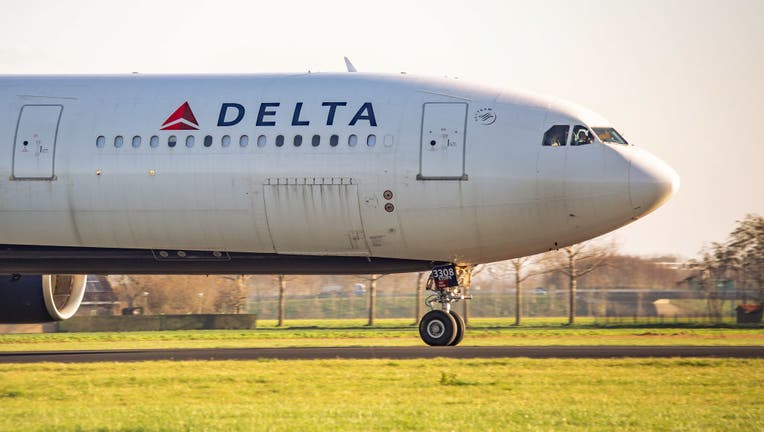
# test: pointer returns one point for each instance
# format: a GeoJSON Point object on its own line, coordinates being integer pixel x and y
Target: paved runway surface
{"type": "Point", "coordinates": [465, 352]}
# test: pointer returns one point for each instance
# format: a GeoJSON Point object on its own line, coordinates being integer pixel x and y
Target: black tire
{"type": "Point", "coordinates": [460, 326]}
{"type": "Point", "coordinates": [437, 328]}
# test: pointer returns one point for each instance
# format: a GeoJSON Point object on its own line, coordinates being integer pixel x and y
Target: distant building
{"type": "Point", "coordinates": [99, 298]}
{"type": "Point", "coordinates": [665, 309]}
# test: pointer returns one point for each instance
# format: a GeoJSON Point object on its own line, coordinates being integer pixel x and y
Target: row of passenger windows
{"type": "Point", "coordinates": [226, 140]}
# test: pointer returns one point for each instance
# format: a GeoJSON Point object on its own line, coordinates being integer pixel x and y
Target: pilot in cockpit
{"type": "Point", "coordinates": [582, 137]}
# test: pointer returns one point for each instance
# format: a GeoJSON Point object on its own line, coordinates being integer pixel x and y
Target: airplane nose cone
{"type": "Point", "coordinates": [651, 182]}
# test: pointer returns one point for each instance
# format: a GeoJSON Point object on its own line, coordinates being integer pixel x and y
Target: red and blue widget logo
{"type": "Point", "coordinates": [181, 119]}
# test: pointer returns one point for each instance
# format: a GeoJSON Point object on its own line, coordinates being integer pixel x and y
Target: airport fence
{"type": "Point", "coordinates": [606, 306]}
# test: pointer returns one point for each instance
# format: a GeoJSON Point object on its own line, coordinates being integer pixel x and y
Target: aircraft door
{"type": "Point", "coordinates": [443, 141]}
{"type": "Point", "coordinates": [35, 143]}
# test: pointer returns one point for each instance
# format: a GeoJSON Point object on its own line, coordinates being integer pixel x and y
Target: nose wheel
{"type": "Point", "coordinates": [438, 328]}
{"type": "Point", "coordinates": [444, 327]}
{"type": "Point", "coordinates": [460, 326]}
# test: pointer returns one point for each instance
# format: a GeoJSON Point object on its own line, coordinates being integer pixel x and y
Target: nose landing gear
{"type": "Point", "coordinates": [444, 327]}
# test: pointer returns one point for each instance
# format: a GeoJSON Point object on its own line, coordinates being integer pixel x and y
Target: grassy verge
{"type": "Point", "coordinates": [352, 395]}
{"type": "Point", "coordinates": [485, 332]}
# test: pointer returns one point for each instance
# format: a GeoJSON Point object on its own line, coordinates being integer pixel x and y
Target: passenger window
{"type": "Point", "coordinates": [118, 140]}
{"type": "Point", "coordinates": [371, 140]}
{"type": "Point", "coordinates": [190, 141]}
{"type": "Point", "coordinates": [171, 141]}
{"type": "Point", "coordinates": [101, 141]}
{"type": "Point", "coordinates": [244, 141]}
{"type": "Point", "coordinates": [225, 141]}
{"type": "Point", "coordinates": [581, 136]}
{"type": "Point", "coordinates": [279, 140]}
{"type": "Point", "coordinates": [262, 141]}
{"type": "Point", "coordinates": [297, 140]}
{"type": "Point", "coordinates": [208, 141]}
{"type": "Point", "coordinates": [556, 136]}
{"type": "Point", "coordinates": [154, 141]}
{"type": "Point", "coordinates": [352, 140]}
{"type": "Point", "coordinates": [334, 140]}
{"type": "Point", "coordinates": [136, 141]}
{"type": "Point", "coordinates": [316, 141]}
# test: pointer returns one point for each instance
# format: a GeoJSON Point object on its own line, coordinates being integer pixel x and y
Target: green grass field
{"type": "Point", "coordinates": [361, 395]}
{"type": "Point", "coordinates": [394, 332]}
{"type": "Point", "coordinates": [367, 395]}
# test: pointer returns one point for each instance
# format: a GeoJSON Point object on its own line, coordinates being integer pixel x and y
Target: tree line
{"type": "Point", "coordinates": [737, 263]}
{"type": "Point", "coordinates": [738, 260]}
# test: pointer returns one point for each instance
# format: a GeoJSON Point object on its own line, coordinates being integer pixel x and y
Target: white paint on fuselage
{"type": "Point", "coordinates": [518, 197]}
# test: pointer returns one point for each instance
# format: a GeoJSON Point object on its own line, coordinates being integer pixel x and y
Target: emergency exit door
{"type": "Point", "coordinates": [35, 143]}
{"type": "Point", "coordinates": [443, 141]}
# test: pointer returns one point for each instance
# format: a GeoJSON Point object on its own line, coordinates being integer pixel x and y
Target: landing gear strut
{"type": "Point", "coordinates": [444, 327]}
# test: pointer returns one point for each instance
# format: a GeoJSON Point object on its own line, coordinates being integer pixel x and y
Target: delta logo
{"type": "Point", "coordinates": [182, 119]}
{"type": "Point", "coordinates": [231, 114]}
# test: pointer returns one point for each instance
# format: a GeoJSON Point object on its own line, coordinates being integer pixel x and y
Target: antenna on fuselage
{"type": "Point", "coordinates": [349, 65]}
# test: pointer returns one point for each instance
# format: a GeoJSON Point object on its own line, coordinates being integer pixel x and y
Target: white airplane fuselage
{"type": "Point", "coordinates": [388, 166]}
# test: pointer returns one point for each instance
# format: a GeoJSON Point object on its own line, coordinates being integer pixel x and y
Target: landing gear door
{"type": "Point", "coordinates": [35, 142]}
{"type": "Point", "coordinates": [443, 141]}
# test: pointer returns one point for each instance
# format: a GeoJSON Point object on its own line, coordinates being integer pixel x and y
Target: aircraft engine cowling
{"type": "Point", "coordinates": [40, 298]}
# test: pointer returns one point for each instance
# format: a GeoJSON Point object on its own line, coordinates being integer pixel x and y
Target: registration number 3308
{"type": "Point", "coordinates": [443, 273]}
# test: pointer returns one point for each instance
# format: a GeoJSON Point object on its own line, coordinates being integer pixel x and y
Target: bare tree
{"type": "Point", "coordinates": [168, 294]}
{"type": "Point", "coordinates": [524, 268]}
{"type": "Point", "coordinates": [711, 270]}
{"type": "Point", "coordinates": [517, 265]}
{"type": "Point", "coordinates": [128, 288]}
{"type": "Point", "coordinates": [521, 269]}
{"type": "Point", "coordinates": [577, 261]}
{"type": "Point", "coordinates": [282, 298]}
{"type": "Point", "coordinates": [500, 271]}
{"type": "Point", "coordinates": [420, 279]}
{"type": "Point", "coordinates": [233, 294]}
{"type": "Point", "coordinates": [373, 278]}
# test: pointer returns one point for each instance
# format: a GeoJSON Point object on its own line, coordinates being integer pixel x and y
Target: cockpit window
{"type": "Point", "coordinates": [557, 135]}
{"type": "Point", "coordinates": [609, 135]}
{"type": "Point", "coordinates": [581, 136]}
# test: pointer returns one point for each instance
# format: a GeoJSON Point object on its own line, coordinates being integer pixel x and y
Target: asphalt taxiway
{"type": "Point", "coordinates": [416, 352]}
